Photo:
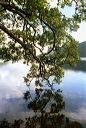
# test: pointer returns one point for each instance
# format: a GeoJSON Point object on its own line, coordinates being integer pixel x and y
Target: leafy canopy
{"type": "Point", "coordinates": [37, 34]}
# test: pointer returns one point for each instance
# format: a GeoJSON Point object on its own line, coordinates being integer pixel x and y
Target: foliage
{"type": "Point", "coordinates": [16, 124]}
{"type": "Point", "coordinates": [34, 123]}
{"type": "Point", "coordinates": [37, 34]}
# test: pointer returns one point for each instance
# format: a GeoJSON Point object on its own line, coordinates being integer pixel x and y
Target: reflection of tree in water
{"type": "Point", "coordinates": [32, 123]}
{"type": "Point", "coordinates": [47, 105]}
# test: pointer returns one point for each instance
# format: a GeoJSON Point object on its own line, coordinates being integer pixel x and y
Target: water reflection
{"type": "Point", "coordinates": [12, 86]}
{"type": "Point", "coordinates": [74, 90]}
{"type": "Point", "coordinates": [81, 66]}
{"type": "Point", "coordinates": [11, 89]}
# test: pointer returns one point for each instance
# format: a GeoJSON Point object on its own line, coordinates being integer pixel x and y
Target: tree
{"type": "Point", "coordinates": [37, 34]}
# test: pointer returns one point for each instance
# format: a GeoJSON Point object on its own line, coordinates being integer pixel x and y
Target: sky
{"type": "Point", "coordinates": [80, 34]}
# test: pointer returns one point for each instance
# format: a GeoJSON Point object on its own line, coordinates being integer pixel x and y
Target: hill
{"type": "Point", "coordinates": [82, 49]}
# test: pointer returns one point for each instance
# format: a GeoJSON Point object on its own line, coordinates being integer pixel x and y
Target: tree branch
{"type": "Point", "coordinates": [2, 27]}
{"type": "Point", "coordinates": [54, 36]}
{"type": "Point", "coordinates": [21, 12]}
{"type": "Point", "coordinates": [25, 15]}
{"type": "Point", "coordinates": [13, 6]}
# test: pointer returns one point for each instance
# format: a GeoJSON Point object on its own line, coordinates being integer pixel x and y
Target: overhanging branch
{"type": "Point", "coordinates": [8, 32]}
{"type": "Point", "coordinates": [26, 16]}
{"type": "Point", "coordinates": [22, 13]}
{"type": "Point", "coordinates": [2, 27]}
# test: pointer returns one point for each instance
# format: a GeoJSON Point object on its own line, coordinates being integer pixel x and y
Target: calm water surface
{"type": "Point", "coordinates": [12, 87]}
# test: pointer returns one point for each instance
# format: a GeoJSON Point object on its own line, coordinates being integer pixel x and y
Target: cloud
{"type": "Point", "coordinates": [11, 80]}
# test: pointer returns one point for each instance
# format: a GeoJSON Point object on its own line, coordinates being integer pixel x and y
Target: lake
{"type": "Point", "coordinates": [12, 88]}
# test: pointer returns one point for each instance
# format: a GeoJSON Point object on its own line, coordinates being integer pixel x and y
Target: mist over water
{"type": "Point", "coordinates": [12, 87]}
